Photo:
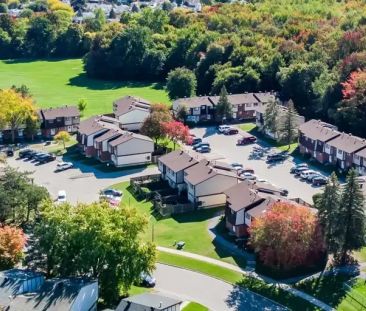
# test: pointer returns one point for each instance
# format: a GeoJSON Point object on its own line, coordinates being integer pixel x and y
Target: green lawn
{"type": "Point", "coordinates": [251, 128]}
{"type": "Point", "coordinates": [361, 255]}
{"type": "Point", "coordinates": [63, 82]}
{"type": "Point", "coordinates": [331, 290]}
{"type": "Point", "coordinates": [194, 306]}
{"type": "Point", "coordinates": [237, 278]}
{"type": "Point", "coordinates": [189, 227]}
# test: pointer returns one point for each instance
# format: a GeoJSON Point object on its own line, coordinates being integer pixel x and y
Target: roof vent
{"type": "Point", "coordinates": [181, 152]}
{"type": "Point", "coordinates": [210, 171]}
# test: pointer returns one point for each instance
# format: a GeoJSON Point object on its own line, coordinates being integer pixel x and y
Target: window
{"type": "Point", "coordinates": [248, 105]}
{"type": "Point", "coordinates": [148, 158]}
{"type": "Point", "coordinates": [247, 216]}
{"type": "Point", "coordinates": [340, 152]}
{"type": "Point", "coordinates": [51, 121]}
{"type": "Point", "coordinates": [255, 104]}
{"type": "Point", "coordinates": [357, 157]}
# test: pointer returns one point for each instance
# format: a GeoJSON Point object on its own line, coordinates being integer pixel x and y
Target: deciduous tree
{"type": "Point", "coordinates": [176, 131]}
{"type": "Point", "coordinates": [287, 236]}
{"type": "Point", "coordinates": [12, 242]}
{"type": "Point", "coordinates": [181, 82]}
{"type": "Point", "coordinates": [98, 241]}
{"type": "Point", "coordinates": [62, 137]}
{"type": "Point", "coordinates": [82, 104]}
{"type": "Point", "coordinates": [15, 110]}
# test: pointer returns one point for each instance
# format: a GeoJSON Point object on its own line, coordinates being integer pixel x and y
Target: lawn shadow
{"type": "Point", "coordinates": [30, 60]}
{"type": "Point", "coordinates": [197, 216]}
{"type": "Point", "coordinates": [82, 80]}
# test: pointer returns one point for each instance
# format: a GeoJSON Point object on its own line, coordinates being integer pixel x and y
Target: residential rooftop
{"type": "Point", "coordinates": [178, 160]}
{"type": "Point", "coordinates": [60, 112]}
{"type": "Point", "coordinates": [318, 130]}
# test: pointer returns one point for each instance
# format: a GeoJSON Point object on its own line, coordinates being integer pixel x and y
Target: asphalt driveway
{"type": "Point", "coordinates": [213, 293]}
{"type": "Point", "coordinates": [82, 184]}
{"type": "Point", "coordinates": [224, 147]}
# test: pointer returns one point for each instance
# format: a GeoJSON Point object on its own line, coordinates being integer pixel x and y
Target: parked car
{"type": "Point", "coordinates": [223, 128]}
{"type": "Point", "coordinates": [9, 152]}
{"type": "Point", "coordinates": [312, 176]}
{"type": "Point", "coordinates": [63, 166]}
{"type": "Point", "coordinates": [113, 192]}
{"type": "Point", "coordinates": [231, 131]}
{"type": "Point", "coordinates": [296, 167]}
{"type": "Point", "coordinates": [319, 181]}
{"type": "Point", "coordinates": [61, 196]}
{"type": "Point", "coordinates": [300, 170]}
{"type": "Point", "coordinates": [195, 141]}
{"type": "Point", "coordinates": [246, 140]}
{"type": "Point", "coordinates": [276, 157]}
{"type": "Point", "coordinates": [46, 158]}
{"type": "Point", "coordinates": [204, 149]}
{"type": "Point", "coordinates": [38, 156]}
{"type": "Point", "coordinates": [305, 174]}
{"type": "Point", "coordinates": [236, 165]}
{"type": "Point", "coordinates": [248, 176]}
{"type": "Point", "coordinates": [23, 153]}
{"type": "Point", "coordinates": [147, 280]}
{"type": "Point", "coordinates": [283, 192]}
{"type": "Point", "coordinates": [30, 154]}
{"type": "Point", "coordinates": [199, 145]}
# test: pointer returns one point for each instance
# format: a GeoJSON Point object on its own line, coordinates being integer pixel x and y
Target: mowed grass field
{"type": "Point", "coordinates": [55, 83]}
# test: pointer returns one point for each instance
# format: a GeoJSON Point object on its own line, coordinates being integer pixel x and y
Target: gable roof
{"type": "Point", "coordinates": [147, 301]}
{"type": "Point", "coordinates": [109, 134]}
{"type": "Point", "coordinates": [54, 295]}
{"type": "Point", "coordinates": [265, 97]}
{"type": "Point", "coordinates": [96, 123]}
{"type": "Point", "coordinates": [178, 160]}
{"type": "Point", "coordinates": [203, 171]}
{"type": "Point", "coordinates": [237, 99]}
{"type": "Point", "coordinates": [125, 104]}
{"type": "Point", "coordinates": [318, 130]}
{"type": "Point", "coordinates": [192, 102]}
{"type": "Point", "coordinates": [260, 209]}
{"type": "Point", "coordinates": [361, 153]}
{"type": "Point", "coordinates": [126, 137]}
{"type": "Point", "coordinates": [60, 112]}
{"type": "Point", "coordinates": [348, 143]}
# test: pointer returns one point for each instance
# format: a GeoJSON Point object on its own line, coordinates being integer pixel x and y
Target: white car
{"type": "Point", "coordinates": [248, 176]}
{"type": "Point", "coordinates": [61, 196]}
{"type": "Point", "coordinates": [63, 166]}
{"type": "Point", "coordinates": [305, 174]}
{"type": "Point", "coordinates": [223, 128]}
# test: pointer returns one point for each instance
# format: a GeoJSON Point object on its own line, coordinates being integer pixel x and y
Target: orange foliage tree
{"type": "Point", "coordinates": [176, 131]}
{"type": "Point", "coordinates": [287, 236]}
{"type": "Point", "coordinates": [12, 242]}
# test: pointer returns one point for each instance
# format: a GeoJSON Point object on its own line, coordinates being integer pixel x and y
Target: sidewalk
{"type": "Point", "coordinates": [229, 266]}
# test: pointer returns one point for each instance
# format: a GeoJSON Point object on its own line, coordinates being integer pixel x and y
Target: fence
{"type": "Point", "coordinates": [169, 209]}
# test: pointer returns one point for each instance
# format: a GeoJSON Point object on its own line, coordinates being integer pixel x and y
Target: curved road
{"type": "Point", "coordinates": [213, 293]}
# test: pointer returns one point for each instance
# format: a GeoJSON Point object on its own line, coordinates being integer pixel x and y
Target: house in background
{"type": "Point", "coordinates": [313, 137]}
{"type": "Point", "coordinates": [206, 185]}
{"type": "Point", "coordinates": [101, 144]}
{"type": "Point", "coordinates": [72, 294]}
{"type": "Point", "coordinates": [172, 166]}
{"type": "Point", "coordinates": [54, 120]}
{"type": "Point", "coordinates": [149, 302]}
{"type": "Point", "coordinates": [131, 149]}
{"type": "Point", "coordinates": [199, 108]}
{"type": "Point", "coordinates": [282, 111]}
{"type": "Point", "coordinates": [131, 112]}
{"type": "Point", "coordinates": [359, 161]}
{"type": "Point", "coordinates": [16, 282]}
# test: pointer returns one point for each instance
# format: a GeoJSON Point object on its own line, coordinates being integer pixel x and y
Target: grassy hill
{"type": "Point", "coordinates": [63, 82]}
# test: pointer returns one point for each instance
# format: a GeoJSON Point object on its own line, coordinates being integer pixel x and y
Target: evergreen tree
{"type": "Point", "coordinates": [224, 109]}
{"type": "Point", "coordinates": [182, 113]}
{"type": "Point", "coordinates": [271, 118]}
{"type": "Point", "coordinates": [329, 208]}
{"type": "Point", "coordinates": [288, 132]}
{"type": "Point", "coordinates": [352, 219]}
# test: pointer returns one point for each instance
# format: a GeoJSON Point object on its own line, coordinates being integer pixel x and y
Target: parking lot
{"type": "Point", "coordinates": [82, 183]}
{"type": "Point", "coordinates": [223, 147]}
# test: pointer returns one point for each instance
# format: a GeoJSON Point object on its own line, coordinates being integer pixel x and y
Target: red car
{"type": "Point", "coordinates": [231, 131]}
{"type": "Point", "coordinates": [246, 140]}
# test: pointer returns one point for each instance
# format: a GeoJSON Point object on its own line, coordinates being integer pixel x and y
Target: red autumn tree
{"type": "Point", "coordinates": [12, 242]}
{"type": "Point", "coordinates": [287, 236]}
{"type": "Point", "coordinates": [176, 131]}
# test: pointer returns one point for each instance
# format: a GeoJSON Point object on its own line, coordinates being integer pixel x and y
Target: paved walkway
{"type": "Point", "coordinates": [220, 263]}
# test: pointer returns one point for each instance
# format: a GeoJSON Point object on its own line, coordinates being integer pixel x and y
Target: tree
{"type": "Point", "coordinates": [270, 117]}
{"type": "Point", "coordinates": [182, 113]}
{"type": "Point", "coordinates": [153, 125]}
{"type": "Point", "coordinates": [352, 216]}
{"type": "Point", "coordinates": [82, 104]}
{"type": "Point", "coordinates": [32, 126]}
{"type": "Point", "coordinates": [176, 131]}
{"type": "Point", "coordinates": [288, 132]}
{"type": "Point", "coordinates": [3, 8]}
{"type": "Point", "coordinates": [12, 243]}
{"type": "Point", "coordinates": [112, 14]}
{"type": "Point", "coordinates": [15, 110]}
{"type": "Point", "coordinates": [62, 137]}
{"type": "Point", "coordinates": [287, 236]}
{"type": "Point", "coordinates": [97, 241]}
{"type": "Point", "coordinates": [328, 205]}
{"type": "Point", "coordinates": [22, 90]}
{"type": "Point", "coordinates": [78, 5]}
{"type": "Point", "coordinates": [181, 82]}
{"type": "Point", "coordinates": [224, 109]}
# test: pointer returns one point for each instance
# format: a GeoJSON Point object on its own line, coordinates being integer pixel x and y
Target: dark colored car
{"type": "Point", "coordinates": [246, 140]}
{"type": "Point", "coordinates": [199, 145]}
{"type": "Point", "coordinates": [204, 149]}
{"type": "Point", "coordinates": [30, 155]}
{"type": "Point", "coordinates": [195, 141]}
{"type": "Point", "coordinates": [319, 181]}
{"type": "Point", "coordinates": [39, 155]}
{"type": "Point", "coordinates": [231, 131]}
{"type": "Point", "coordinates": [23, 153]}
{"type": "Point", "coordinates": [113, 192]}
{"type": "Point", "coordinates": [46, 158]}
{"type": "Point", "coordinates": [147, 280]}
{"type": "Point", "coordinates": [277, 157]}
{"type": "Point", "coordinates": [9, 152]}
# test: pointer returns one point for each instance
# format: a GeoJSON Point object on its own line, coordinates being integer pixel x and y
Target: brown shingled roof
{"type": "Point", "coordinates": [178, 160]}
{"type": "Point", "coordinates": [348, 143]}
{"type": "Point", "coordinates": [109, 134]}
{"type": "Point", "coordinates": [128, 103]}
{"type": "Point", "coordinates": [60, 112]}
{"type": "Point", "coordinates": [192, 102]}
{"type": "Point", "coordinates": [126, 137]}
{"type": "Point", "coordinates": [318, 130]}
{"type": "Point", "coordinates": [237, 99]}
